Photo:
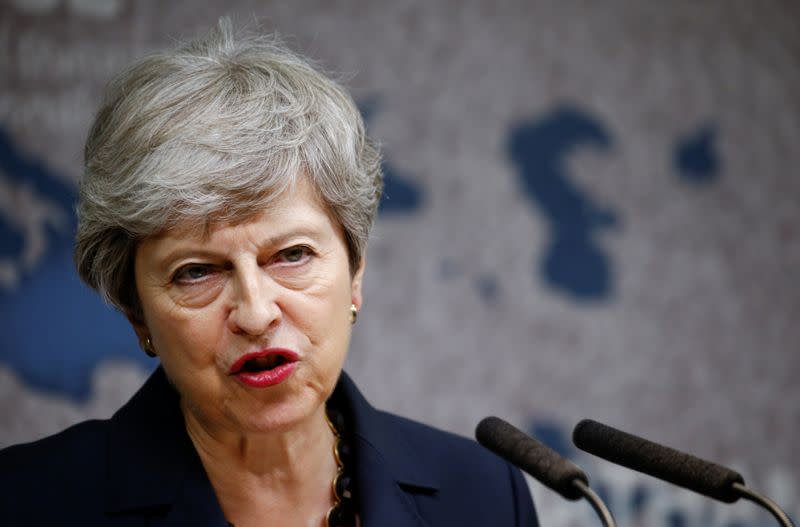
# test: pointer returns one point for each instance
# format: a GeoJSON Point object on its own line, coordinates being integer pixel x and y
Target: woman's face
{"type": "Point", "coordinates": [251, 321]}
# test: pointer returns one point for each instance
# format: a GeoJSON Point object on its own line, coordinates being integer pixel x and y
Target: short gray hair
{"type": "Point", "coordinates": [213, 132]}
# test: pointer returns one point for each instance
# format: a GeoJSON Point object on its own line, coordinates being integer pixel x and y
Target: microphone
{"type": "Point", "coordinates": [541, 462]}
{"type": "Point", "coordinates": [687, 471]}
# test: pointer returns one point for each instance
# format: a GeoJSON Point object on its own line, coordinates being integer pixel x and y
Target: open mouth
{"type": "Point", "coordinates": [263, 361]}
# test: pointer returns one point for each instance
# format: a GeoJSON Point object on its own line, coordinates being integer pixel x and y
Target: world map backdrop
{"type": "Point", "coordinates": [591, 210]}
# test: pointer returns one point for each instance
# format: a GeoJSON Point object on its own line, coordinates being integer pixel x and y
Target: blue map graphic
{"type": "Point", "coordinates": [55, 329]}
{"type": "Point", "coordinates": [695, 158]}
{"type": "Point", "coordinates": [488, 288]}
{"type": "Point", "coordinates": [401, 195]}
{"type": "Point", "coordinates": [573, 262]}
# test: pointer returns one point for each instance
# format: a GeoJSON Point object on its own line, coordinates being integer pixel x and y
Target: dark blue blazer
{"type": "Point", "coordinates": [140, 468]}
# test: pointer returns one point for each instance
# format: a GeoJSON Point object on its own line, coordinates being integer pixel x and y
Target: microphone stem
{"type": "Point", "coordinates": [596, 503]}
{"type": "Point", "coordinates": [765, 502]}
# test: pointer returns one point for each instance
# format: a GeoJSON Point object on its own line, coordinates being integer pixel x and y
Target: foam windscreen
{"type": "Point", "coordinates": [530, 455]}
{"type": "Point", "coordinates": [705, 477]}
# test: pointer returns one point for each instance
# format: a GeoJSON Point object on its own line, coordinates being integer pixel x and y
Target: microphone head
{"type": "Point", "coordinates": [678, 468]}
{"type": "Point", "coordinates": [530, 455]}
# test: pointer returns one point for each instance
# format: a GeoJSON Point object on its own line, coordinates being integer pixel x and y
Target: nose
{"type": "Point", "coordinates": [255, 309]}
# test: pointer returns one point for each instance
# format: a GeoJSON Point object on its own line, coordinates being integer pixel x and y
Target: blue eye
{"type": "Point", "coordinates": [295, 254]}
{"type": "Point", "coordinates": [191, 273]}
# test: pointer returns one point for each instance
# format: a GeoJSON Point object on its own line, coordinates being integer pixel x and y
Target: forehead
{"type": "Point", "coordinates": [298, 202]}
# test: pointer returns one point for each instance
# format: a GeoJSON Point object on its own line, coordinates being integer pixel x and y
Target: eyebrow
{"type": "Point", "coordinates": [179, 252]}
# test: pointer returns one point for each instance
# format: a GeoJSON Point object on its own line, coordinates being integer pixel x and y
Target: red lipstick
{"type": "Point", "coordinates": [264, 368]}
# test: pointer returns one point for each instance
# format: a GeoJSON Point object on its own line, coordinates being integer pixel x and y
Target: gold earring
{"type": "Point", "coordinates": [353, 313]}
{"type": "Point", "coordinates": [147, 346]}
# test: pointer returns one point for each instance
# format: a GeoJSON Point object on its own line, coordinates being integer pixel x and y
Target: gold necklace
{"type": "Point", "coordinates": [343, 511]}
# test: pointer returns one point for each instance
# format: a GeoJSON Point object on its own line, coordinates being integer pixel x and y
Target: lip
{"type": "Point", "coordinates": [266, 378]}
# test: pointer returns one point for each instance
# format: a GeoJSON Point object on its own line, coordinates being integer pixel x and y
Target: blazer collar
{"type": "Point", "coordinates": [153, 466]}
{"type": "Point", "coordinates": [388, 469]}
{"type": "Point", "coordinates": [376, 429]}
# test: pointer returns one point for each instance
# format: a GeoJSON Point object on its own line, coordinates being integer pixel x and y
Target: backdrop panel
{"type": "Point", "coordinates": [591, 212]}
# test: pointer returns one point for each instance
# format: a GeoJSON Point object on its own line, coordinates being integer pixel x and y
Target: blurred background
{"type": "Point", "coordinates": [592, 210]}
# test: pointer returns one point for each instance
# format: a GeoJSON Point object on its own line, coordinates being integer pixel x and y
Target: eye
{"type": "Point", "coordinates": [295, 254]}
{"type": "Point", "coordinates": [191, 273]}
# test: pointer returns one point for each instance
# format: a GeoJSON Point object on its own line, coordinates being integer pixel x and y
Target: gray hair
{"type": "Point", "coordinates": [213, 132]}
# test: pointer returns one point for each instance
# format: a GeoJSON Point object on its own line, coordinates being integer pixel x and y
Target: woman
{"type": "Point", "coordinates": [228, 194]}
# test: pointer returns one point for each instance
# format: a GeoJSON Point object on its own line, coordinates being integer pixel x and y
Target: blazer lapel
{"type": "Point", "coordinates": [153, 468]}
{"type": "Point", "coordinates": [384, 502]}
{"type": "Point", "coordinates": [388, 474]}
{"type": "Point", "coordinates": [197, 505]}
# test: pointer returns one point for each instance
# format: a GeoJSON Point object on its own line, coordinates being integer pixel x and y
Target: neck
{"type": "Point", "coordinates": [268, 474]}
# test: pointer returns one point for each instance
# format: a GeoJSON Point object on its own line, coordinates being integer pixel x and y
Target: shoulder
{"type": "Point", "coordinates": [452, 479]}
{"type": "Point", "coordinates": [445, 451]}
{"type": "Point", "coordinates": [403, 442]}
{"type": "Point", "coordinates": [465, 473]}
{"type": "Point", "coordinates": [60, 453]}
{"type": "Point", "coordinates": [449, 456]}
{"type": "Point", "coordinates": [62, 471]}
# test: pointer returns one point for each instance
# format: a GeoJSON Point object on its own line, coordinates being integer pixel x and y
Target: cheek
{"type": "Point", "coordinates": [188, 336]}
{"type": "Point", "coordinates": [325, 322]}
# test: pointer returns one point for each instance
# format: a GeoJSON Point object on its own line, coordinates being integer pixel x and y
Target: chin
{"type": "Point", "coordinates": [279, 417]}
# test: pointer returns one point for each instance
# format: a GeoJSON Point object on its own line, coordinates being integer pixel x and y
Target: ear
{"type": "Point", "coordinates": [357, 281]}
